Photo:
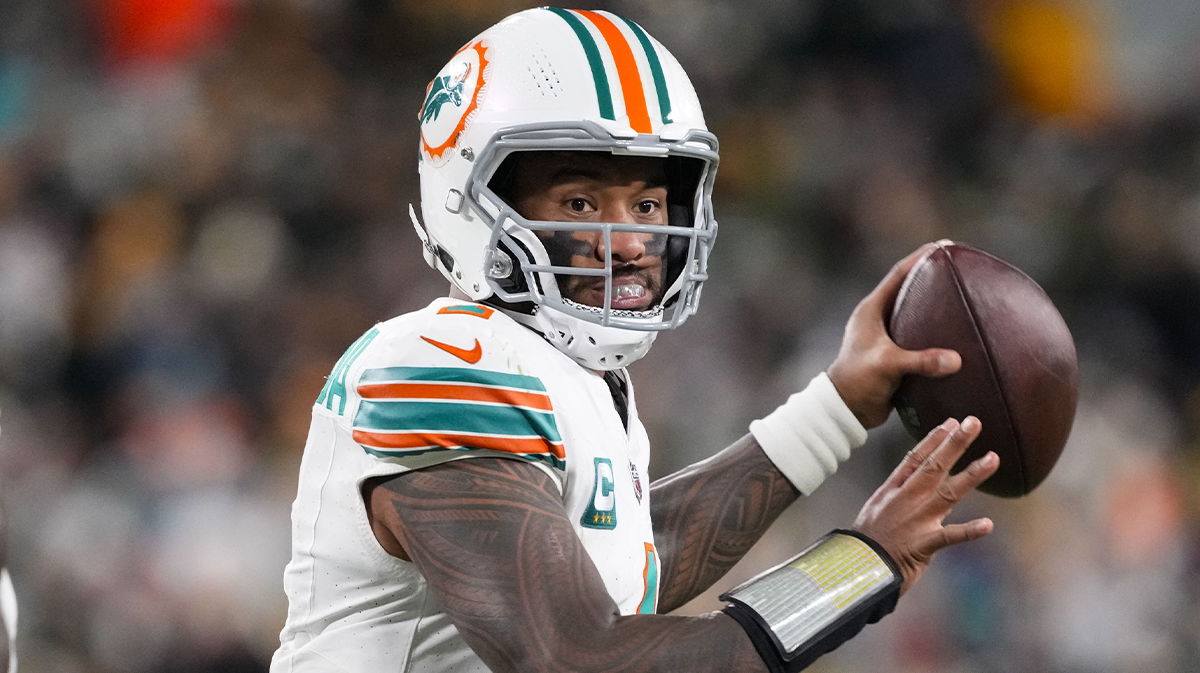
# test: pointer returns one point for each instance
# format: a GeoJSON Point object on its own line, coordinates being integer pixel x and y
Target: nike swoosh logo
{"type": "Point", "coordinates": [470, 356]}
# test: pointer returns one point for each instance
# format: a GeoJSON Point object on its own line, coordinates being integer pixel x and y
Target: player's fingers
{"type": "Point", "coordinates": [929, 362]}
{"type": "Point", "coordinates": [885, 292]}
{"type": "Point", "coordinates": [913, 459]}
{"type": "Point", "coordinates": [964, 482]}
{"type": "Point", "coordinates": [948, 536]}
{"type": "Point", "coordinates": [951, 490]}
{"type": "Point", "coordinates": [935, 468]}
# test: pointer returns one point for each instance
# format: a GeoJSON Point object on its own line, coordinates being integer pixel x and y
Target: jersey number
{"type": "Point", "coordinates": [334, 391]}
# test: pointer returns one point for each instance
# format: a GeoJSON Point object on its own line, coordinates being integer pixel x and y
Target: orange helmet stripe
{"type": "Point", "coordinates": [632, 88]}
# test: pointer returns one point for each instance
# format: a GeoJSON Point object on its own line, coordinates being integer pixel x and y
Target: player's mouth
{"type": "Point", "coordinates": [630, 295]}
{"type": "Point", "coordinates": [630, 292]}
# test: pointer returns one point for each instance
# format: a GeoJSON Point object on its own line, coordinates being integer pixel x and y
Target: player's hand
{"type": "Point", "coordinates": [905, 515]}
{"type": "Point", "coordinates": [869, 364]}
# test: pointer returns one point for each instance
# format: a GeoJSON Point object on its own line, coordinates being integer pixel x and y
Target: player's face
{"type": "Point", "coordinates": [598, 187]}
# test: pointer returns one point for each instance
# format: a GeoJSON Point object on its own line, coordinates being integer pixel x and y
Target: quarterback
{"type": "Point", "coordinates": [473, 490]}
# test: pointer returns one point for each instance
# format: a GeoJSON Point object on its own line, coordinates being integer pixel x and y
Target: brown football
{"type": "Point", "coordinates": [1019, 374]}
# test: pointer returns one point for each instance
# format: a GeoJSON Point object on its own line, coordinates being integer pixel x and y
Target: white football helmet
{"type": "Point", "coordinates": [553, 79]}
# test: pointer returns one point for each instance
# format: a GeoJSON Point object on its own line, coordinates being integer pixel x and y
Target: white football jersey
{"type": "Point", "coordinates": [451, 381]}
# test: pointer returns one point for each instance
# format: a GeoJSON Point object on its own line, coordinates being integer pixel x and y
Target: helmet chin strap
{"type": "Point", "coordinates": [599, 348]}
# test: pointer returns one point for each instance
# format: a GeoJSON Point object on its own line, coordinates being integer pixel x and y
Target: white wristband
{"type": "Point", "coordinates": [810, 434]}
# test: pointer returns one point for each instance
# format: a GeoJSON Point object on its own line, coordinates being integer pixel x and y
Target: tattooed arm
{"type": "Point", "coordinates": [707, 516]}
{"type": "Point", "coordinates": [492, 539]}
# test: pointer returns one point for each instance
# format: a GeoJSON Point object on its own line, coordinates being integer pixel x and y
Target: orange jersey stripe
{"type": "Point", "coordinates": [461, 393]}
{"type": "Point", "coordinates": [418, 440]}
{"type": "Point", "coordinates": [627, 71]}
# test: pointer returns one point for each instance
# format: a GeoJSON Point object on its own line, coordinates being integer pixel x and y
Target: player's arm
{"type": "Point", "coordinates": [707, 516]}
{"type": "Point", "coordinates": [493, 540]}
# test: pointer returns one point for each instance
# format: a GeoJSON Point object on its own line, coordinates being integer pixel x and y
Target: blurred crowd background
{"type": "Point", "coordinates": [203, 203]}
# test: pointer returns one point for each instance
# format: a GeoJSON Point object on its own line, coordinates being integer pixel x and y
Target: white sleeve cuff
{"type": "Point", "coordinates": [810, 434]}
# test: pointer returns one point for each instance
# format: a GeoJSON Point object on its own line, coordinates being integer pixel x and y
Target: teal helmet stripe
{"type": "Point", "coordinates": [603, 93]}
{"type": "Point", "coordinates": [656, 70]}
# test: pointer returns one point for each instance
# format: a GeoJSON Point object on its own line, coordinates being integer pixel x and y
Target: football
{"type": "Point", "coordinates": [1019, 372]}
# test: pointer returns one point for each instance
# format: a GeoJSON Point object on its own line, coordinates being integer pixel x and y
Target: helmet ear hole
{"type": "Point", "coordinates": [446, 259]}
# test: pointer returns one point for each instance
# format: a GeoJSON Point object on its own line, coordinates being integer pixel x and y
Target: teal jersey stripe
{"type": "Point", "coordinates": [552, 460]}
{"type": "Point", "coordinates": [650, 600]}
{"type": "Point", "coordinates": [451, 417]}
{"type": "Point", "coordinates": [473, 309]}
{"type": "Point", "coordinates": [656, 70]}
{"type": "Point", "coordinates": [452, 375]}
{"type": "Point", "coordinates": [603, 93]}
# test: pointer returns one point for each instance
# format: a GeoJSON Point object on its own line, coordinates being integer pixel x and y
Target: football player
{"type": "Point", "coordinates": [472, 494]}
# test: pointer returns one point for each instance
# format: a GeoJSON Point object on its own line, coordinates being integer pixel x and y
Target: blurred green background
{"type": "Point", "coordinates": [203, 202]}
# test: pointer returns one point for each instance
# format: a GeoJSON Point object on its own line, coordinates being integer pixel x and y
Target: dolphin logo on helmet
{"type": "Point", "coordinates": [444, 90]}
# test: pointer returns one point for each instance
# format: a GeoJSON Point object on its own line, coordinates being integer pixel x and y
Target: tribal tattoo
{"type": "Point", "coordinates": [707, 516]}
{"type": "Point", "coordinates": [492, 539]}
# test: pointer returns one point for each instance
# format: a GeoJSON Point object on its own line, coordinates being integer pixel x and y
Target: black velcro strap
{"type": "Point", "coordinates": [764, 644]}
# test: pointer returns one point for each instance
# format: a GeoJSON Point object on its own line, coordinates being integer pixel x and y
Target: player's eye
{"type": "Point", "coordinates": [578, 205]}
{"type": "Point", "coordinates": [646, 207]}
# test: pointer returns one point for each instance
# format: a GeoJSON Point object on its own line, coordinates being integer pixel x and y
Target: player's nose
{"type": "Point", "coordinates": [626, 246]}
